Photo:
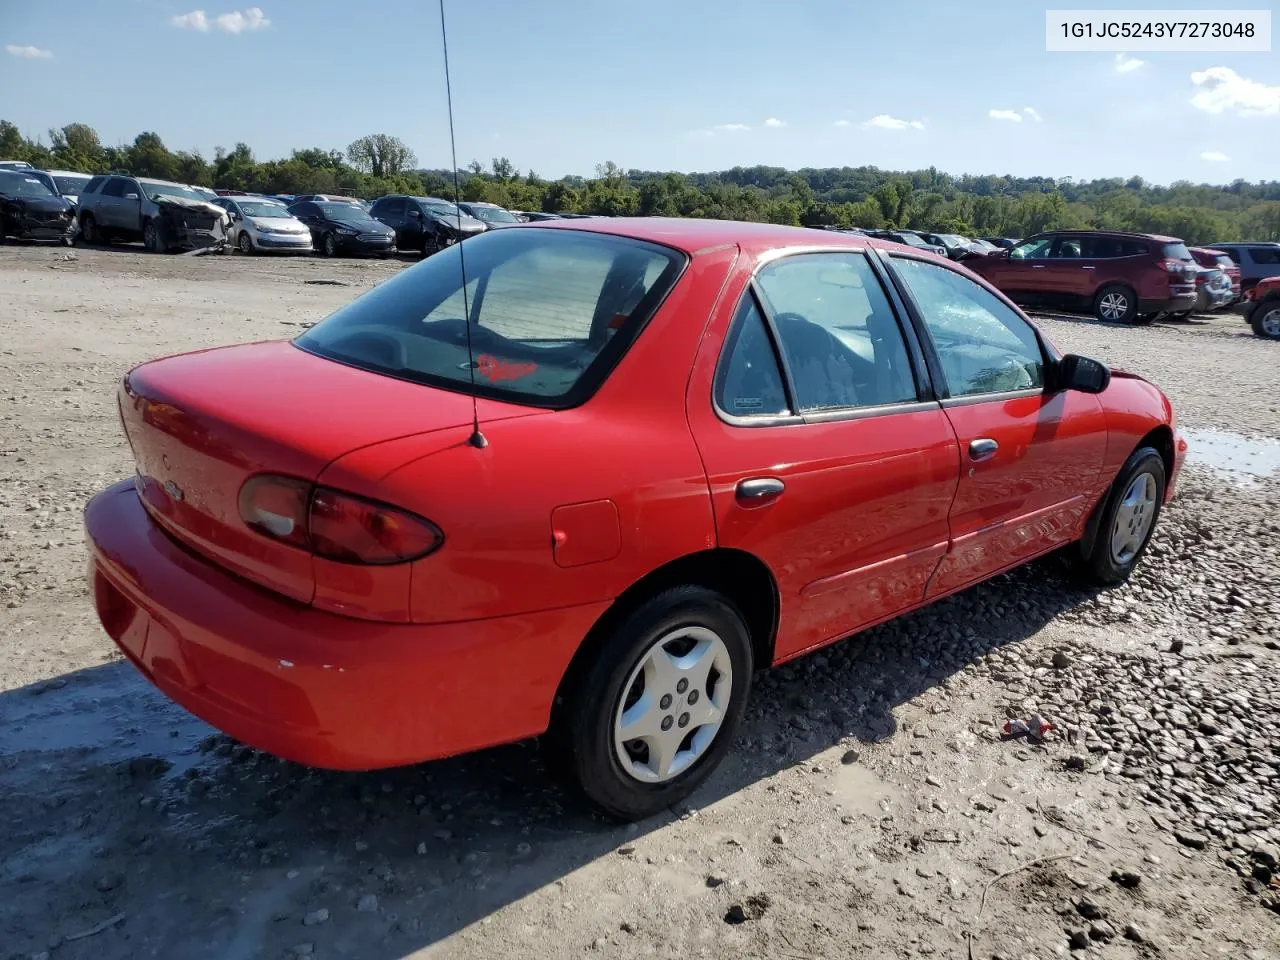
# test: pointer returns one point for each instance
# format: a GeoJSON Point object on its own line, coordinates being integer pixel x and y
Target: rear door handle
{"type": "Point", "coordinates": [759, 491]}
{"type": "Point", "coordinates": [1037, 266]}
{"type": "Point", "coordinates": [983, 449]}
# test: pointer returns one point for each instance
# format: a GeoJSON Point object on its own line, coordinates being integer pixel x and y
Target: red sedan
{"type": "Point", "coordinates": [592, 489]}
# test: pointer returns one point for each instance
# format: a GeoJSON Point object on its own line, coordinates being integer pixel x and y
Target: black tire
{"type": "Point", "coordinates": [151, 237]}
{"type": "Point", "coordinates": [1115, 303]}
{"type": "Point", "coordinates": [1266, 315]}
{"type": "Point", "coordinates": [430, 245]}
{"type": "Point", "coordinates": [1099, 563]}
{"type": "Point", "coordinates": [582, 734]}
{"type": "Point", "coordinates": [89, 231]}
{"type": "Point", "coordinates": [245, 243]}
{"type": "Point", "coordinates": [329, 246]}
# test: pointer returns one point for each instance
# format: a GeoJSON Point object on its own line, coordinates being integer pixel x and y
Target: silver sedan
{"type": "Point", "coordinates": [259, 225]}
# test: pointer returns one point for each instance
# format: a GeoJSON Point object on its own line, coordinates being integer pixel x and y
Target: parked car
{"type": "Point", "coordinates": [536, 216]}
{"type": "Point", "coordinates": [30, 210]}
{"type": "Point", "coordinates": [1220, 260]}
{"type": "Point", "coordinates": [1120, 277]}
{"type": "Point", "coordinates": [490, 214]}
{"type": "Point", "coordinates": [411, 533]}
{"type": "Point", "coordinates": [15, 165]}
{"type": "Point", "coordinates": [1213, 290]}
{"type": "Point", "coordinates": [326, 198]}
{"type": "Point", "coordinates": [1004, 243]}
{"type": "Point", "coordinates": [426, 224]}
{"type": "Point", "coordinates": [1261, 308]}
{"type": "Point", "coordinates": [956, 247]}
{"type": "Point", "coordinates": [1256, 260]}
{"type": "Point", "coordinates": [259, 225]}
{"type": "Point", "coordinates": [165, 216]}
{"type": "Point", "coordinates": [65, 183]}
{"type": "Point", "coordinates": [909, 238]}
{"type": "Point", "coordinates": [338, 228]}
{"type": "Point", "coordinates": [983, 246]}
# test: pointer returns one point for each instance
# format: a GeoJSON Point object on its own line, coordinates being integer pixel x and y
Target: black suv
{"type": "Point", "coordinates": [427, 224]}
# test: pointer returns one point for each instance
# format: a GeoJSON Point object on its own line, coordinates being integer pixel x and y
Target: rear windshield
{"type": "Point", "coordinates": [550, 312]}
{"type": "Point", "coordinates": [1176, 251]}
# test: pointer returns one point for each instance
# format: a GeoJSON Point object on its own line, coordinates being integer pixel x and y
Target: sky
{"type": "Point", "coordinates": [558, 86]}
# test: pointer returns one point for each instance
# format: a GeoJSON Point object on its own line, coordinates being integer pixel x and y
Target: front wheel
{"type": "Point", "coordinates": [655, 710]}
{"type": "Point", "coordinates": [330, 245]}
{"type": "Point", "coordinates": [1129, 515]}
{"type": "Point", "coordinates": [1266, 319]}
{"type": "Point", "coordinates": [245, 243]}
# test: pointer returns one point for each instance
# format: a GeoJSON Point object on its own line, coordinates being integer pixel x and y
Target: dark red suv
{"type": "Point", "coordinates": [1120, 277]}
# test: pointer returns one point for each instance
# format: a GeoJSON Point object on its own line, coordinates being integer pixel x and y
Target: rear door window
{"type": "Point", "coordinates": [1267, 255]}
{"type": "Point", "coordinates": [749, 380]}
{"type": "Point", "coordinates": [116, 187]}
{"type": "Point", "coordinates": [839, 336]}
{"type": "Point", "coordinates": [93, 185]}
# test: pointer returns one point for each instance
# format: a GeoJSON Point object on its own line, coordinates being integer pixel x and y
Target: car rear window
{"type": "Point", "coordinates": [1265, 254]}
{"type": "Point", "coordinates": [550, 313]}
{"type": "Point", "coordinates": [1176, 251]}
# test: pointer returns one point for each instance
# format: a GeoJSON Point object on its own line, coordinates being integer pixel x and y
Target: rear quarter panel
{"type": "Point", "coordinates": [630, 445]}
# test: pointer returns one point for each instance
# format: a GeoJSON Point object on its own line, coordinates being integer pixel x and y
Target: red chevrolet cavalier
{"type": "Point", "coordinates": [593, 488]}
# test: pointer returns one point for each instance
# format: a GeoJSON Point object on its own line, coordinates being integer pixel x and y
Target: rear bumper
{"type": "Point", "coordinates": [1178, 304]}
{"type": "Point", "coordinates": [310, 686]}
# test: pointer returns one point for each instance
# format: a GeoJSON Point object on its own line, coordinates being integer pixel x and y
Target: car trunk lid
{"type": "Point", "coordinates": [201, 424]}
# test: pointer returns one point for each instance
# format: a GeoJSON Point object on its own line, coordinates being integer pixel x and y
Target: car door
{"type": "Point", "coordinates": [309, 214]}
{"type": "Point", "coordinates": [1031, 459]}
{"type": "Point", "coordinates": [826, 454]}
{"type": "Point", "coordinates": [109, 210]}
{"type": "Point", "coordinates": [1022, 269]}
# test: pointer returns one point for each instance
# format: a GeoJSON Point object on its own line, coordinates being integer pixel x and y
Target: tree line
{"type": "Point", "coordinates": [863, 196]}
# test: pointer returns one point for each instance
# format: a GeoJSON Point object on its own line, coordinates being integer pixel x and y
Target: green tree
{"type": "Point", "coordinates": [380, 154]}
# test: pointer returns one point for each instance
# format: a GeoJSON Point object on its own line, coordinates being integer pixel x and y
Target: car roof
{"type": "Point", "coordinates": [1245, 243]}
{"type": "Point", "coordinates": [66, 173]}
{"type": "Point", "coordinates": [696, 235]}
{"type": "Point", "coordinates": [1159, 238]}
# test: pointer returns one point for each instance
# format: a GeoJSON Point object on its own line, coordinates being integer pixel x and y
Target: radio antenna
{"type": "Point", "coordinates": [477, 439]}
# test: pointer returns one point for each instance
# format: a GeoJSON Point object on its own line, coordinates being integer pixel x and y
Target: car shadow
{"type": "Point", "coordinates": [117, 801]}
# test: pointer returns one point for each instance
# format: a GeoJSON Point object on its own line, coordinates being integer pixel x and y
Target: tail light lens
{"type": "Point", "coordinates": [335, 525]}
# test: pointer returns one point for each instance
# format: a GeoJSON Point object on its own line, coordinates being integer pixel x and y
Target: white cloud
{"type": "Point", "coordinates": [885, 122]}
{"type": "Point", "coordinates": [1012, 115]}
{"type": "Point", "coordinates": [841, 123]}
{"type": "Point", "coordinates": [237, 22]}
{"type": "Point", "coordinates": [1127, 64]}
{"type": "Point", "coordinates": [195, 20]}
{"type": "Point", "coordinates": [1033, 113]}
{"type": "Point", "coordinates": [1214, 156]}
{"type": "Point", "coordinates": [730, 127]}
{"type": "Point", "coordinates": [234, 22]}
{"type": "Point", "coordinates": [1223, 89]}
{"type": "Point", "coordinates": [775, 122]}
{"type": "Point", "coordinates": [28, 53]}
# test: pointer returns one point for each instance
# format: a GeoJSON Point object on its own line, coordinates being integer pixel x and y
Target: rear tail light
{"type": "Point", "coordinates": [335, 525]}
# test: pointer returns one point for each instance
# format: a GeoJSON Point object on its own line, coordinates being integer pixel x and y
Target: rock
{"type": "Point", "coordinates": [304, 949]}
{"type": "Point", "coordinates": [1134, 933]}
{"type": "Point", "coordinates": [626, 850]}
{"type": "Point", "coordinates": [1101, 930]}
{"type": "Point", "coordinates": [1061, 660]}
{"type": "Point", "coordinates": [1089, 910]}
{"type": "Point", "coordinates": [850, 756]}
{"type": "Point", "coordinates": [316, 917]}
{"type": "Point", "coordinates": [716, 880]}
{"type": "Point", "coordinates": [108, 882]}
{"type": "Point", "coordinates": [422, 849]}
{"type": "Point", "coordinates": [780, 838]}
{"type": "Point", "coordinates": [368, 903]}
{"type": "Point", "coordinates": [1126, 878]}
{"type": "Point", "coordinates": [1077, 939]}
{"type": "Point", "coordinates": [1175, 647]}
{"type": "Point", "coordinates": [1196, 841]}
{"type": "Point", "coordinates": [627, 926]}
{"type": "Point", "coordinates": [149, 768]}
{"type": "Point", "coordinates": [736, 914]}
{"type": "Point", "coordinates": [1075, 763]}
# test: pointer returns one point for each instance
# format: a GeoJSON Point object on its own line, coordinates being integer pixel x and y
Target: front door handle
{"type": "Point", "coordinates": [983, 449]}
{"type": "Point", "coordinates": [759, 491]}
{"type": "Point", "coordinates": [1037, 266]}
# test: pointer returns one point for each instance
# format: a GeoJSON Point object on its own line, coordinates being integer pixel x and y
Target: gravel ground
{"type": "Point", "coordinates": [871, 807]}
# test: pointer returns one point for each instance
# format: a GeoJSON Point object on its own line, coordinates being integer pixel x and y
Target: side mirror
{"type": "Point", "coordinates": [1082, 373]}
{"type": "Point", "coordinates": [131, 196]}
{"type": "Point", "coordinates": [416, 214]}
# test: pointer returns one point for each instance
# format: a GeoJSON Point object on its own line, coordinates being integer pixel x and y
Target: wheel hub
{"type": "Point", "coordinates": [1134, 518]}
{"type": "Point", "coordinates": [673, 704]}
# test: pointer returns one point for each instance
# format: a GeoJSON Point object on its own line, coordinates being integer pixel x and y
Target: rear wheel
{"type": "Point", "coordinates": [330, 245]}
{"type": "Point", "coordinates": [1115, 303]}
{"type": "Point", "coordinates": [430, 244]}
{"type": "Point", "coordinates": [655, 710]}
{"type": "Point", "coordinates": [1266, 319]}
{"type": "Point", "coordinates": [1129, 515]}
{"type": "Point", "coordinates": [89, 230]}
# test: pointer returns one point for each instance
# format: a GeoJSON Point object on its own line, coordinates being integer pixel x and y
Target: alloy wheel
{"type": "Point", "coordinates": [1270, 322]}
{"type": "Point", "coordinates": [1113, 306]}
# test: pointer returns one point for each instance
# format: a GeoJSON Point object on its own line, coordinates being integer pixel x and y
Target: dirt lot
{"type": "Point", "coordinates": [870, 807]}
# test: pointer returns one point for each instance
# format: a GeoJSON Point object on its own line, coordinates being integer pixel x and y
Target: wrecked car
{"type": "Point", "coordinates": [164, 216]}
{"type": "Point", "coordinates": [29, 210]}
